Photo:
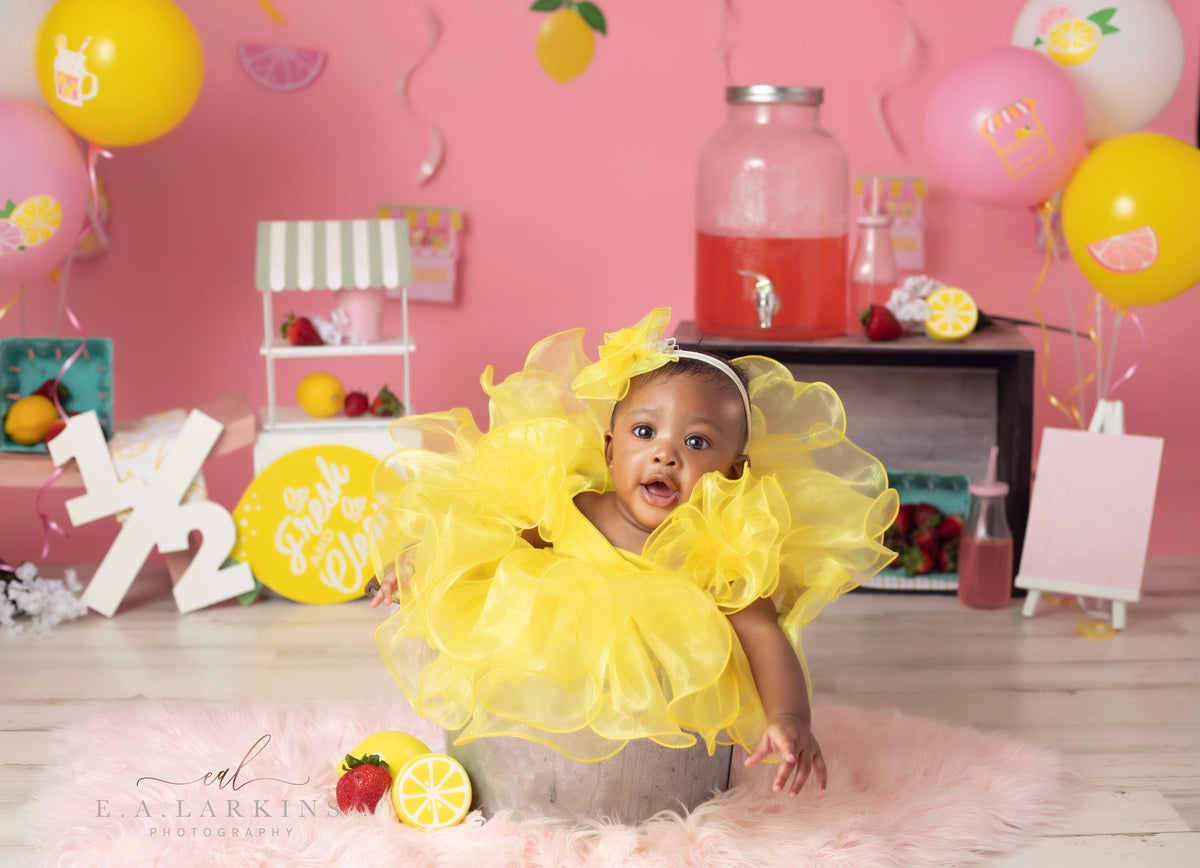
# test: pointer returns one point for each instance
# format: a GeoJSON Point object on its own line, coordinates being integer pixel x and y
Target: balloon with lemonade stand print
{"type": "Point", "coordinates": [303, 524]}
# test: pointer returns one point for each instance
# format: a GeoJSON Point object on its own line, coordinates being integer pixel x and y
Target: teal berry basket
{"type": "Point", "coordinates": [26, 363]}
{"type": "Point", "coordinates": [948, 493]}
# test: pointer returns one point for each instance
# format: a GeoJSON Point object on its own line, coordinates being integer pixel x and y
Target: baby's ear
{"type": "Point", "coordinates": [738, 467]}
{"type": "Point", "coordinates": [608, 439]}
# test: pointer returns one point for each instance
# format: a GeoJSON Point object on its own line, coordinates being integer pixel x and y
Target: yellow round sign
{"type": "Point", "coordinates": [304, 523]}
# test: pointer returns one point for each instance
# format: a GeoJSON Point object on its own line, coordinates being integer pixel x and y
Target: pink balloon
{"type": "Point", "coordinates": [1005, 127]}
{"type": "Point", "coordinates": [43, 191]}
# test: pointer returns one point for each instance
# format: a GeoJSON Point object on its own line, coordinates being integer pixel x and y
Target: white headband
{"type": "Point", "coordinates": [724, 369]}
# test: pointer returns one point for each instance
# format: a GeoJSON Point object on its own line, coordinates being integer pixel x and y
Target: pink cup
{"type": "Point", "coordinates": [364, 310]}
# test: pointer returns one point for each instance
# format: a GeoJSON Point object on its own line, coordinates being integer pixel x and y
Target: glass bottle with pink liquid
{"type": "Point", "coordinates": [772, 196]}
{"type": "Point", "coordinates": [985, 548]}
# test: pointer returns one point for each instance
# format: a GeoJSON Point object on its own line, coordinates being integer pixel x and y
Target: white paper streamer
{"type": "Point", "coordinates": [437, 146]}
{"type": "Point", "coordinates": [903, 71]}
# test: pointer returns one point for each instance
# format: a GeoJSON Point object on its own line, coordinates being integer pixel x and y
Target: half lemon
{"type": "Point", "coordinates": [953, 314]}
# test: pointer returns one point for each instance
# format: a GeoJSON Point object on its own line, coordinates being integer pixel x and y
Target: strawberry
{"type": "Point", "coordinates": [880, 324]}
{"type": "Point", "coordinates": [300, 332]}
{"type": "Point", "coordinates": [916, 561]}
{"type": "Point", "coordinates": [356, 403]}
{"type": "Point", "coordinates": [361, 788]}
{"type": "Point", "coordinates": [951, 527]}
{"type": "Point", "coordinates": [46, 390]}
{"type": "Point", "coordinates": [927, 539]}
{"type": "Point", "coordinates": [948, 557]}
{"type": "Point", "coordinates": [387, 404]}
{"type": "Point", "coordinates": [54, 430]}
{"type": "Point", "coordinates": [904, 518]}
{"type": "Point", "coordinates": [927, 515]}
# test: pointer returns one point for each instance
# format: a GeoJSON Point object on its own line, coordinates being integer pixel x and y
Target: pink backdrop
{"type": "Point", "coordinates": [578, 200]}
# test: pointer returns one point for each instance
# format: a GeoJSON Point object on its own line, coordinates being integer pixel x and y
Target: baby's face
{"type": "Point", "coordinates": [667, 433]}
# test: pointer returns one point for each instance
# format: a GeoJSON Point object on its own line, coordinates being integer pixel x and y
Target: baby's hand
{"type": "Point", "coordinates": [384, 591]}
{"type": "Point", "coordinates": [789, 736]}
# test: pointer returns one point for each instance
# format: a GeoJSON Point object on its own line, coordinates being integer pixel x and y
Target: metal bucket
{"type": "Point", "coordinates": [537, 781]}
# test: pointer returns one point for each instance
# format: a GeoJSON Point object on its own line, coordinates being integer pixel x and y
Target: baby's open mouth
{"type": "Point", "coordinates": [659, 493]}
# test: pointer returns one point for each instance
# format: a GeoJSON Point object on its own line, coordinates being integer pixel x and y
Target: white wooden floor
{"type": "Point", "coordinates": [1125, 710]}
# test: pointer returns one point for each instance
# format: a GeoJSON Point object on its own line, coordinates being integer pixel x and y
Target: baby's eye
{"type": "Point", "coordinates": [695, 441]}
{"type": "Point", "coordinates": [643, 432]}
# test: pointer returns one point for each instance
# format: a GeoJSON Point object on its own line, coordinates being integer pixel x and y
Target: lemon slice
{"type": "Point", "coordinates": [431, 791]}
{"type": "Point", "coordinates": [953, 314]}
{"type": "Point", "coordinates": [1072, 42]}
{"type": "Point", "coordinates": [39, 218]}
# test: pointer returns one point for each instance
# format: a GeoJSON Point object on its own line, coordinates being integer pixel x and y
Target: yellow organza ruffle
{"type": "Point", "coordinates": [580, 645]}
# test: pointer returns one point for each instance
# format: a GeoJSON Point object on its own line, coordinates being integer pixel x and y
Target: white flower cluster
{"type": "Point", "coordinates": [908, 303]}
{"type": "Point", "coordinates": [45, 602]}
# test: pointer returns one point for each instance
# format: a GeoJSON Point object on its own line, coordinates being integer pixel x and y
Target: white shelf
{"type": "Point", "coordinates": [281, 349]}
{"type": "Point", "coordinates": [295, 419]}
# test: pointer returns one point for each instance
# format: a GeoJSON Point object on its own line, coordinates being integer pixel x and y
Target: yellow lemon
{"type": "Point", "coordinates": [39, 218]}
{"type": "Point", "coordinates": [29, 419]}
{"type": "Point", "coordinates": [431, 791]}
{"type": "Point", "coordinates": [320, 395]}
{"type": "Point", "coordinates": [1072, 42]}
{"type": "Point", "coordinates": [953, 314]}
{"type": "Point", "coordinates": [392, 746]}
{"type": "Point", "coordinates": [565, 45]}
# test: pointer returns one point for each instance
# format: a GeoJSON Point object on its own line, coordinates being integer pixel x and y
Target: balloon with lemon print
{"type": "Point", "coordinates": [303, 524]}
{"type": "Point", "coordinates": [1129, 217]}
{"type": "Point", "coordinates": [565, 41]}
{"type": "Point", "coordinates": [1125, 56]}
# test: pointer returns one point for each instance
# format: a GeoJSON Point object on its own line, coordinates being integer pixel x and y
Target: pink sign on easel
{"type": "Point", "coordinates": [1089, 519]}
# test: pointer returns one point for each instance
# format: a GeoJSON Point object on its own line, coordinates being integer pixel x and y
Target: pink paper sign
{"type": "Point", "coordinates": [1089, 520]}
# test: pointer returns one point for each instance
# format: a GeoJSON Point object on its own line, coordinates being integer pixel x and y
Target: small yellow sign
{"type": "Point", "coordinates": [304, 522]}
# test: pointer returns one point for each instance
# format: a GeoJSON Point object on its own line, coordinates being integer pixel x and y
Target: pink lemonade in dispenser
{"type": "Point", "coordinates": [809, 274]}
{"type": "Point", "coordinates": [772, 196]}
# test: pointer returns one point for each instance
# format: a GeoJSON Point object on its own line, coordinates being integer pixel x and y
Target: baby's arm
{"type": "Point", "coordinates": [784, 693]}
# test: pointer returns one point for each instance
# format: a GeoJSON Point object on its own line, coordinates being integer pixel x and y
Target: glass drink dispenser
{"type": "Point", "coordinates": [772, 197]}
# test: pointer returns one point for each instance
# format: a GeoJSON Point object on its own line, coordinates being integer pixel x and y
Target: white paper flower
{"type": "Point", "coordinates": [908, 304]}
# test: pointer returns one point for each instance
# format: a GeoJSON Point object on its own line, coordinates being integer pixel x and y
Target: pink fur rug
{"type": "Point", "coordinates": [903, 791]}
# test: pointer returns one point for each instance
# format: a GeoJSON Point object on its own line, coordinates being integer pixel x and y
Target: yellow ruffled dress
{"type": "Point", "coordinates": [581, 645]}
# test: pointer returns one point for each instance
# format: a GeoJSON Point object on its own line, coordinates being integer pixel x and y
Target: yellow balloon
{"type": "Point", "coordinates": [118, 72]}
{"type": "Point", "coordinates": [1130, 217]}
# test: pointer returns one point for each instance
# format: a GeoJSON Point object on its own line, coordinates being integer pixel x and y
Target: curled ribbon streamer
{"type": "Point", "coordinates": [1071, 412]}
{"type": "Point", "coordinates": [49, 525]}
{"type": "Point", "coordinates": [93, 153]}
{"type": "Point", "coordinates": [1132, 369]}
{"type": "Point", "coordinates": [437, 147]}
{"type": "Point", "coordinates": [16, 296]}
{"type": "Point", "coordinates": [1081, 381]}
{"type": "Point", "coordinates": [903, 71]}
{"type": "Point", "coordinates": [272, 11]}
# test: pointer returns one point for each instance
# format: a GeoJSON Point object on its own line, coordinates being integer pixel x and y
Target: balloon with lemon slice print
{"type": "Point", "coordinates": [1129, 218]}
{"type": "Point", "coordinates": [1126, 58]}
{"type": "Point", "coordinates": [565, 43]}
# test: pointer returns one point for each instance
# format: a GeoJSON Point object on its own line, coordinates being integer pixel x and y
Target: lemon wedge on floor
{"type": "Point", "coordinates": [431, 791]}
{"type": "Point", "coordinates": [953, 314]}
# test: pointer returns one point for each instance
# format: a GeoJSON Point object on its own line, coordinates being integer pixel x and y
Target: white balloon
{"type": "Point", "coordinates": [19, 22]}
{"type": "Point", "coordinates": [1125, 56]}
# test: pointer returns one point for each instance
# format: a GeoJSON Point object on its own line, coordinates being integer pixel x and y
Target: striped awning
{"type": "Point", "coordinates": [1006, 116]}
{"type": "Point", "coordinates": [332, 254]}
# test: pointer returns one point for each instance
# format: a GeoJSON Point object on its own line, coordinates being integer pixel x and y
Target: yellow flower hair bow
{"type": "Point", "coordinates": [625, 354]}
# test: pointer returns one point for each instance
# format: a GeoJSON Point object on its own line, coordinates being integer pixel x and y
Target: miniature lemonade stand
{"type": "Point", "coordinates": [363, 257]}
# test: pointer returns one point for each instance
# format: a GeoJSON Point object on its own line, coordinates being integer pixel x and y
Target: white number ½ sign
{"type": "Point", "coordinates": [156, 519]}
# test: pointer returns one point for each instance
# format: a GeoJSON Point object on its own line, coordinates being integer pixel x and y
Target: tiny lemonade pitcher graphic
{"type": "Point", "coordinates": [73, 84]}
{"type": "Point", "coordinates": [1018, 138]}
